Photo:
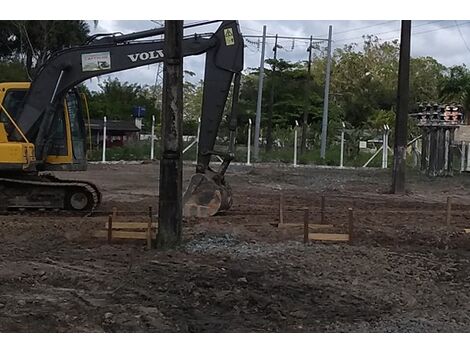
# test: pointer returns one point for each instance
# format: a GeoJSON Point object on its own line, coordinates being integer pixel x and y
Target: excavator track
{"type": "Point", "coordinates": [48, 192]}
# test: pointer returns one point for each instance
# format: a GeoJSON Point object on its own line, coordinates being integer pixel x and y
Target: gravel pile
{"type": "Point", "coordinates": [230, 245]}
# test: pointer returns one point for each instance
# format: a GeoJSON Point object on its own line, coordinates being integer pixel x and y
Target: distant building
{"type": "Point", "coordinates": [118, 132]}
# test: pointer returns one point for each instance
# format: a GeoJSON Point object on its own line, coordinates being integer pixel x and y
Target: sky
{"type": "Point", "coordinates": [447, 41]}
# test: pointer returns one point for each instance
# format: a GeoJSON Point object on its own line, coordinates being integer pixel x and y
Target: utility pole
{"type": "Point", "coordinates": [303, 142]}
{"type": "Point", "coordinates": [170, 209]}
{"type": "Point", "coordinates": [260, 98]}
{"type": "Point", "coordinates": [269, 132]}
{"type": "Point", "coordinates": [401, 121]}
{"type": "Point", "coordinates": [324, 126]}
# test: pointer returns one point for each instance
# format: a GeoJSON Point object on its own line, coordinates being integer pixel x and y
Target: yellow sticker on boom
{"type": "Point", "coordinates": [229, 39]}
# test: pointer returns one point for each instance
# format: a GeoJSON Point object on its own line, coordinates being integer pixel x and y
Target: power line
{"type": "Point", "coordinates": [430, 30]}
{"type": "Point", "coordinates": [461, 36]}
{"type": "Point", "coordinates": [391, 31]}
{"type": "Point", "coordinates": [364, 27]}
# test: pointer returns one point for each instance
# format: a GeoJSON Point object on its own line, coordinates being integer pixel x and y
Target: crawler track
{"type": "Point", "coordinates": [48, 192]}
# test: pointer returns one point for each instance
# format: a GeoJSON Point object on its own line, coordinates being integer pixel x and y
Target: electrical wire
{"type": "Point", "coordinates": [461, 36]}
{"type": "Point", "coordinates": [386, 32]}
{"type": "Point", "coordinates": [428, 31]}
{"type": "Point", "coordinates": [364, 27]}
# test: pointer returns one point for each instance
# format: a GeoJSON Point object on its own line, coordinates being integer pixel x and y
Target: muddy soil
{"type": "Point", "coordinates": [404, 271]}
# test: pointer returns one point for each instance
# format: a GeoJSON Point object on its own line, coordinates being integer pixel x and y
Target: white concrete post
{"type": "Point", "coordinates": [248, 154]}
{"type": "Point", "coordinates": [467, 167]}
{"type": "Point", "coordinates": [462, 158]}
{"type": "Point", "coordinates": [152, 139]}
{"type": "Point", "coordinates": [341, 155]}
{"type": "Point", "coordinates": [385, 147]}
{"type": "Point", "coordinates": [295, 142]}
{"type": "Point", "coordinates": [197, 137]}
{"type": "Point", "coordinates": [104, 139]}
{"type": "Point", "coordinates": [446, 149]}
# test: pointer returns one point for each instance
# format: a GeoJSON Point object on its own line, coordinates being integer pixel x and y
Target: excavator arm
{"type": "Point", "coordinates": [69, 67]}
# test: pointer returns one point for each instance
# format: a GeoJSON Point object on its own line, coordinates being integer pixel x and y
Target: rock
{"type": "Point", "coordinates": [21, 302]}
{"type": "Point", "coordinates": [242, 279]}
{"type": "Point", "coordinates": [299, 314]}
{"type": "Point", "coordinates": [2, 305]}
{"type": "Point", "coordinates": [108, 316]}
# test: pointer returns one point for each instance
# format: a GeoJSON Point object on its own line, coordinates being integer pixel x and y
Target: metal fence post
{"type": "Point", "coordinates": [152, 139]}
{"type": "Point", "coordinates": [104, 140]}
{"type": "Point", "coordinates": [248, 154]}
{"type": "Point", "coordinates": [467, 166]}
{"type": "Point", "coordinates": [462, 157]}
{"type": "Point", "coordinates": [341, 155]}
{"type": "Point", "coordinates": [295, 142]}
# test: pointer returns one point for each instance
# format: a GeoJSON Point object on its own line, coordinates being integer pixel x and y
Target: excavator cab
{"type": "Point", "coordinates": [67, 150]}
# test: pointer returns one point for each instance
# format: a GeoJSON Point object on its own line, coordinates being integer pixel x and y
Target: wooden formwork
{"type": "Point", "coordinates": [129, 230]}
{"type": "Point", "coordinates": [306, 226]}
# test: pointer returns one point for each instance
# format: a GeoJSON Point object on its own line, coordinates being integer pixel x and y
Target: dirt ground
{"type": "Point", "coordinates": [405, 271]}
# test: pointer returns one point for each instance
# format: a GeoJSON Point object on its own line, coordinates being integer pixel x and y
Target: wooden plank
{"type": "Point", "coordinates": [328, 236]}
{"type": "Point", "coordinates": [467, 230]}
{"type": "Point", "coordinates": [131, 225]}
{"type": "Point", "coordinates": [123, 235]}
{"type": "Point", "coordinates": [290, 225]}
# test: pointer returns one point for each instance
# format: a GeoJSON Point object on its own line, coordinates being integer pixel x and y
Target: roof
{"type": "Point", "coordinates": [114, 125]}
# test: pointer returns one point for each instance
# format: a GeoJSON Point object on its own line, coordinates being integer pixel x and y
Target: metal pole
{"type": "Point", "coordinates": [386, 145]}
{"type": "Point", "coordinates": [446, 150]}
{"type": "Point", "coordinates": [401, 122]}
{"type": "Point", "coordinates": [341, 155]}
{"type": "Point", "coordinates": [197, 138]}
{"type": "Point", "coordinates": [467, 167]}
{"type": "Point", "coordinates": [303, 141]}
{"type": "Point", "coordinates": [104, 139]}
{"type": "Point", "coordinates": [170, 210]}
{"type": "Point", "coordinates": [324, 127]}
{"type": "Point", "coordinates": [248, 154]}
{"type": "Point", "coordinates": [152, 139]}
{"type": "Point", "coordinates": [260, 98]}
{"type": "Point", "coordinates": [295, 142]}
{"type": "Point", "coordinates": [462, 157]}
{"type": "Point", "coordinates": [269, 132]}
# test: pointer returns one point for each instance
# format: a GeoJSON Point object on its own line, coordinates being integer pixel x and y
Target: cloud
{"type": "Point", "coordinates": [439, 39]}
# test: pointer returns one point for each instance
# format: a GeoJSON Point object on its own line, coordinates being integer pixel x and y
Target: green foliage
{"type": "Point", "coordinates": [116, 101]}
{"type": "Point", "coordinates": [33, 42]}
{"type": "Point", "coordinates": [12, 71]}
{"type": "Point", "coordinates": [456, 86]}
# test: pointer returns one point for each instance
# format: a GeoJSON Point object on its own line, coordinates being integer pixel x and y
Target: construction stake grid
{"type": "Point", "coordinates": [307, 226]}
{"type": "Point", "coordinates": [129, 230]}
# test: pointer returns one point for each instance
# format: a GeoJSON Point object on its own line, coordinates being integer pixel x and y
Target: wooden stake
{"type": "Point", "coordinates": [322, 210]}
{"type": "Point", "coordinates": [110, 228]}
{"type": "Point", "coordinates": [281, 207]}
{"type": "Point", "coordinates": [114, 212]}
{"type": "Point", "coordinates": [351, 224]}
{"type": "Point", "coordinates": [149, 230]}
{"type": "Point", "coordinates": [448, 213]}
{"type": "Point", "coordinates": [305, 225]}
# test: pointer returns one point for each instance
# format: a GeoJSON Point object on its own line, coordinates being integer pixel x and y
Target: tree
{"type": "Point", "coordinates": [32, 42]}
{"type": "Point", "coordinates": [116, 100]}
{"type": "Point", "coordinates": [456, 86]}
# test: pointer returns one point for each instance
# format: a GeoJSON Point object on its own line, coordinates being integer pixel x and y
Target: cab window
{"type": "Point", "coordinates": [12, 103]}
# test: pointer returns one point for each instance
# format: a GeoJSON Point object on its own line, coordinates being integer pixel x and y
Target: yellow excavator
{"type": "Point", "coordinates": [42, 124]}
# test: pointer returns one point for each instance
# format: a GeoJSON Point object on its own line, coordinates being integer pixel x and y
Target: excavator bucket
{"type": "Point", "coordinates": [205, 197]}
